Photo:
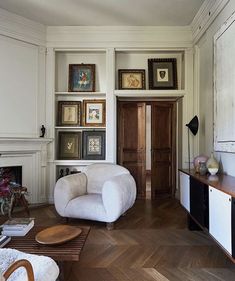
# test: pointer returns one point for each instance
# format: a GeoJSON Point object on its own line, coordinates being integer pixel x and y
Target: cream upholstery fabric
{"type": "Point", "coordinates": [44, 268]}
{"type": "Point", "coordinates": [102, 192]}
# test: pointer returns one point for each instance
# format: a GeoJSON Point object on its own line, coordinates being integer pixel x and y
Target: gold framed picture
{"type": "Point", "coordinates": [131, 79]}
{"type": "Point", "coordinates": [94, 113]}
{"type": "Point", "coordinates": [69, 113]}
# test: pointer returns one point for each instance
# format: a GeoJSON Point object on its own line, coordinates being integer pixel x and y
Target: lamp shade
{"type": "Point", "coordinates": [193, 125]}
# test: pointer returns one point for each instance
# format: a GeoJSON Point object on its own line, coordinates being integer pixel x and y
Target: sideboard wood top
{"type": "Point", "coordinates": [221, 182]}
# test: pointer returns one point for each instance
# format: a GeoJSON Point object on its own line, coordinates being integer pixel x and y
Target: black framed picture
{"type": "Point", "coordinates": [162, 73]}
{"type": "Point", "coordinates": [93, 145]}
{"type": "Point", "coordinates": [69, 145]}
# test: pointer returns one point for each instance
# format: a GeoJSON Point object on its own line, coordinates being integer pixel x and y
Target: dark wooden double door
{"type": "Point", "coordinates": [132, 145]}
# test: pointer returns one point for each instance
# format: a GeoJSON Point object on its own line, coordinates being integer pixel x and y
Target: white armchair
{"type": "Point", "coordinates": [42, 268]}
{"type": "Point", "coordinates": [101, 192]}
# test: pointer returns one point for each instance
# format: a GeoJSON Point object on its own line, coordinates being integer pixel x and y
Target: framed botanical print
{"type": "Point", "coordinates": [94, 145]}
{"type": "Point", "coordinates": [94, 113]}
{"type": "Point", "coordinates": [69, 145]}
{"type": "Point", "coordinates": [131, 79]}
{"type": "Point", "coordinates": [69, 113]}
{"type": "Point", "coordinates": [81, 77]}
{"type": "Point", "coordinates": [162, 73]}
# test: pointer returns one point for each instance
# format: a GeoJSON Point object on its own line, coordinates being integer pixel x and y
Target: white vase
{"type": "Point", "coordinates": [212, 165]}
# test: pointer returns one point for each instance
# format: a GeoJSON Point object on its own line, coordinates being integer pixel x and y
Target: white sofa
{"type": "Point", "coordinates": [44, 268]}
{"type": "Point", "coordinates": [101, 192]}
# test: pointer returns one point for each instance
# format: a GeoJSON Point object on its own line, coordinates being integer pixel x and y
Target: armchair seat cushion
{"type": "Point", "coordinates": [89, 206]}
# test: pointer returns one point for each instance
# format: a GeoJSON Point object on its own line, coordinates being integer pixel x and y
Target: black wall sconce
{"type": "Point", "coordinates": [193, 127]}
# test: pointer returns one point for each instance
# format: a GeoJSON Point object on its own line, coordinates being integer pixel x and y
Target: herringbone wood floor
{"type": "Point", "coordinates": [150, 243]}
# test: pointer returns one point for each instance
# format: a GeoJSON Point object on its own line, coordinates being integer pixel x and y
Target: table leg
{"type": "Point", "coordinates": [12, 205]}
{"type": "Point", "coordinates": [65, 270]}
{"type": "Point", "coordinates": [24, 203]}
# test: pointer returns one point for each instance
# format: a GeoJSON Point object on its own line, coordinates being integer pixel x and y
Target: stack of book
{"type": "Point", "coordinates": [4, 240]}
{"type": "Point", "coordinates": [17, 226]}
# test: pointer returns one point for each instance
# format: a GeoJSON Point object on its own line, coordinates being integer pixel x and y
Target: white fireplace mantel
{"type": "Point", "coordinates": [31, 154]}
{"type": "Point", "coordinates": [25, 144]}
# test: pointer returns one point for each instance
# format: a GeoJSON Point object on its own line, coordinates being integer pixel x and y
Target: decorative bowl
{"type": "Point", "coordinates": [213, 171]}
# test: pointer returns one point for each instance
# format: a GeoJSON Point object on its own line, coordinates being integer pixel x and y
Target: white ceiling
{"type": "Point", "coordinates": [106, 12]}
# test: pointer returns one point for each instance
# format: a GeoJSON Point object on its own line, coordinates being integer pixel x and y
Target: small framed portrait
{"type": "Point", "coordinates": [162, 73]}
{"type": "Point", "coordinates": [94, 113]}
{"type": "Point", "coordinates": [69, 145]}
{"type": "Point", "coordinates": [81, 78]}
{"type": "Point", "coordinates": [131, 79]}
{"type": "Point", "coordinates": [93, 145]}
{"type": "Point", "coordinates": [69, 113]}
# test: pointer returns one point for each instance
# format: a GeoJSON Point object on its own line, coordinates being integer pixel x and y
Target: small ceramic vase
{"type": "Point", "coordinates": [202, 168]}
{"type": "Point", "coordinates": [212, 165]}
{"type": "Point", "coordinates": [197, 160]}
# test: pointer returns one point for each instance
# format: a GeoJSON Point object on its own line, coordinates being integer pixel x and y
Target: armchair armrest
{"type": "Point", "coordinates": [67, 188]}
{"type": "Point", "coordinates": [118, 194]}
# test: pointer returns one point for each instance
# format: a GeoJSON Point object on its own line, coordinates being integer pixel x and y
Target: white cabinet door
{"type": "Point", "coordinates": [185, 191]}
{"type": "Point", "coordinates": [220, 217]}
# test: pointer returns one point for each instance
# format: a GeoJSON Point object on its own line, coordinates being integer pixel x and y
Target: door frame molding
{"type": "Point", "coordinates": [178, 127]}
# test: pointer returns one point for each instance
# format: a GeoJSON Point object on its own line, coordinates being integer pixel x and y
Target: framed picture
{"type": "Point", "coordinates": [94, 113]}
{"type": "Point", "coordinates": [82, 78]}
{"type": "Point", "coordinates": [69, 113]}
{"type": "Point", "coordinates": [94, 145]}
{"type": "Point", "coordinates": [131, 79]}
{"type": "Point", "coordinates": [162, 73]}
{"type": "Point", "coordinates": [69, 145]}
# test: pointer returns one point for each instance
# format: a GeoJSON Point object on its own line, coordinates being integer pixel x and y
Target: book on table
{"type": "Point", "coordinates": [4, 240]}
{"type": "Point", "coordinates": [17, 226]}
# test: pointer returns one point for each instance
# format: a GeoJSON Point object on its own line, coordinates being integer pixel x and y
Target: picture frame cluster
{"type": "Point", "coordinates": [162, 74]}
{"type": "Point", "coordinates": [85, 145]}
{"type": "Point", "coordinates": [90, 113]}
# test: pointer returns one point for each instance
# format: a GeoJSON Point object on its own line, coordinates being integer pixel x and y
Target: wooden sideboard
{"type": "Point", "coordinates": [210, 203]}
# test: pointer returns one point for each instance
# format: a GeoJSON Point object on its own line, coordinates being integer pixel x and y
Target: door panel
{"type": "Point", "coordinates": [163, 149]}
{"type": "Point", "coordinates": [131, 142]}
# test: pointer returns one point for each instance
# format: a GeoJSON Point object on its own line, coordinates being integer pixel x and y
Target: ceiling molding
{"type": "Point", "coordinates": [118, 36]}
{"type": "Point", "coordinates": [17, 27]}
{"type": "Point", "coordinates": [205, 16]}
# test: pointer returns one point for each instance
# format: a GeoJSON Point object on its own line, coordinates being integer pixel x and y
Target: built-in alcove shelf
{"type": "Point", "coordinates": [79, 128]}
{"type": "Point", "coordinates": [83, 94]}
{"type": "Point", "coordinates": [150, 93]}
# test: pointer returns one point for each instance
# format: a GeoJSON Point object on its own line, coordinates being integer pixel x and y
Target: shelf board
{"type": "Point", "coordinates": [78, 128]}
{"type": "Point", "coordinates": [150, 93]}
{"type": "Point", "coordinates": [77, 162]}
{"type": "Point", "coordinates": [87, 94]}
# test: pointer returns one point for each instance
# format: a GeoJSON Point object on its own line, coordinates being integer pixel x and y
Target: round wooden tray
{"type": "Point", "coordinates": [57, 234]}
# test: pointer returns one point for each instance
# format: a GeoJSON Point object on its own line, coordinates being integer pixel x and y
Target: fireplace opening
{"type": "Point", "coordinates": [11, 176]}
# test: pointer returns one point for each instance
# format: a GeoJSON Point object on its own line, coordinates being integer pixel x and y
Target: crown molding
{"type": "Point", "coordinates": [118, 36]}
{"type": "Point", "coordinates": [205, 16]}
{"type": "Point", "coordinates": [23, 29]}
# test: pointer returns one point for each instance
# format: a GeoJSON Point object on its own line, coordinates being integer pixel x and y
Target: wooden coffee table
{"type": "Point", "coordinates": [69, 251]}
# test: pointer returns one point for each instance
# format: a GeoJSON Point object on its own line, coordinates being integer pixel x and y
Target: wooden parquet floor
{"type": "Point", "coordinates": [151, 242]}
